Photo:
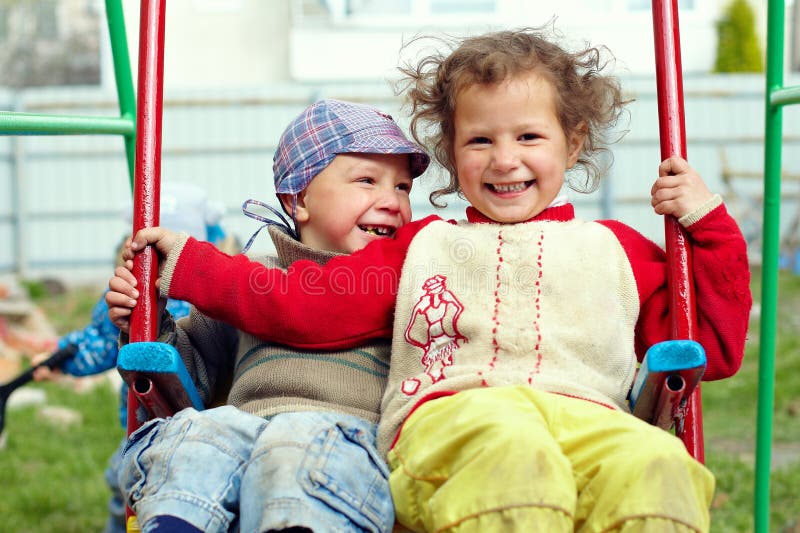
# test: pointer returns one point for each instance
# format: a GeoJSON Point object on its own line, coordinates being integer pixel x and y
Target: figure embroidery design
{"type": "Point", "coordinates": [433, 327]}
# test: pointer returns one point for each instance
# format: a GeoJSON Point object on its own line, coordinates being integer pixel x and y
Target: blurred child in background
{"type": "Point", "coordinates": [183, 208]}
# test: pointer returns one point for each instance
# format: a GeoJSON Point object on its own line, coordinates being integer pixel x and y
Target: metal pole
{"type": "Point", "coordinates": [146, 186]}
{"type": "Point", "coordinates": [123, 77]}
{"type": "Point", "coordinates": [773, 126]}
{"type": "Point", "coordinates": [672, 132]}
{"type": "Point", "coordinates": [29, 123]}
{"type": "Point", "coordinates": [17, 199]}
{"type": "Point", "coordinates": [144, 317]}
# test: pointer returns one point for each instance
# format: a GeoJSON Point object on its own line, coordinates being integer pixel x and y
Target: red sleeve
{"type": "Point", "coordinates": [722, 289]}
{"type": "Point", "coordinates": [340, 305]}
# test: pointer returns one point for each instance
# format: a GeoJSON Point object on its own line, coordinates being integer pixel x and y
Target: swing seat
{"type": "Point", "coordinates": [158, 378]}
{"type": "Point", "coordinates": [669, 373]}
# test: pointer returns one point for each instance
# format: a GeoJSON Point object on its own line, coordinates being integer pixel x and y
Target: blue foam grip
{"type": "Point", "coordinates": [684, 357]}
{"type": "Point", "coordinates": [162, 364]}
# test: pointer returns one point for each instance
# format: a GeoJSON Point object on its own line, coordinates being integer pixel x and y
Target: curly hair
{"type": "Point", "coordinates": [584, 96]}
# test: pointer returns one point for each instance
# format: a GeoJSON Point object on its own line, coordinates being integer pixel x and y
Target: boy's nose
{"type": "Point", "coordinates": [389, 199]}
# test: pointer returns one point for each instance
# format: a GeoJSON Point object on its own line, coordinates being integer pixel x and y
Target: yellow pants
{"type": "Point", "coordinates": [516, 459]}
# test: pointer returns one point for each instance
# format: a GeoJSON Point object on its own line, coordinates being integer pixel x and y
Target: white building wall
{"type": "Point", "coordinates": [370, 48]}
{"type": "Point", "coordinates": [214, 43]}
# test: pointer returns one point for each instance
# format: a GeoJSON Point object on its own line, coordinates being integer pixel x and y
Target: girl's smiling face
{"type": "Point", "coordinates": [510, 150]}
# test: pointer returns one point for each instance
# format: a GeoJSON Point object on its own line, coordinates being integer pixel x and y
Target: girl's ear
{"type": "Point", "coordinates": [295, 205]}
{"type": "Point", "coordinates": [575, 142]}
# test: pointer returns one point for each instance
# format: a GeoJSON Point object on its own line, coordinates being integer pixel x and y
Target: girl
{"type": "Point", "coordinates": [516, 332]}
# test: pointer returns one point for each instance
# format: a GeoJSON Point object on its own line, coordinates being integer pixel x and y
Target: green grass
{"type": "Point", "coordinates": [52, 478]}
{"type": "Point", "coordinates": [729, 420]}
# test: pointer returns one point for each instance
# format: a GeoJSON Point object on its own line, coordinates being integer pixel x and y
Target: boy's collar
{"type": "Point", "coordinates": [290, 249]}
{"type": "Point", "coordinates": [557, 213]}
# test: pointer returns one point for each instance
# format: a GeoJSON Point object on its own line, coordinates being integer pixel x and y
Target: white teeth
{"type": "Point", "coordinates": [512, 187]}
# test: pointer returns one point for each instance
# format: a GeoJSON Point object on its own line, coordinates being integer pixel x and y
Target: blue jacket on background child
{"type": "Point", "coordinates": [186, 208]}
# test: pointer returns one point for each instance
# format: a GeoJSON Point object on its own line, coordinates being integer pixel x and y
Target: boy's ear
{"type": "Point", "coordinates": [297, 201]}
{"type": "Point", "coordinates": [576, 139]}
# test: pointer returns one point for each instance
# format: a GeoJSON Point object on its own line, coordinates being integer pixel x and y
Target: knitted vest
{"type": "Point", "coordinates": [271, 378]}
{"type": "Point", "coordinates": [547, 304]}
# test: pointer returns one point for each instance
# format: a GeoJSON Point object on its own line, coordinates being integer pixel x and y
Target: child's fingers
{"type": "Point", "coordinates": [663, 183]}
{"type": "Point", "coordinates": [125, 274]}
{"type": "Point", "coordinates": [162, 238]}
{"type": "Point", "coordinates": [117, 295]}
{"type": "Point", "coordinates": [39, 358]}
{"type": "Point", "coordinates": [673, 165]}
{"type": "Point", "coordinates": [665, 207]}
{"type": "Point", "coordinates": [42, 374]}
{"type": "Point", "coordinates": [120, 317]}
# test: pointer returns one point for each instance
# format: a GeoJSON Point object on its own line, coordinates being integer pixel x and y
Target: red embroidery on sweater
{"type": "Point", "coordinates": [537, 305]}
{"type": "Point", "coordinates": [496, 312]}
{"type": "Point", "coordinates": [433, 327]}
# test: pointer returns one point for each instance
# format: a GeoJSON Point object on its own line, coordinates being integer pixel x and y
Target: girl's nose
{"type": "Point", "coordinates": [504, 158]}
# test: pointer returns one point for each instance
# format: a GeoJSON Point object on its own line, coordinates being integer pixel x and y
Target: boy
{"type": "Point", "coordinates": [296, 446]}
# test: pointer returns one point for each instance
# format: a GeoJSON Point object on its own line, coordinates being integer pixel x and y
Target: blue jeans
{"type": "Point", "coordinates": [224, 469]}
{"type": "Point", "coordinates": [116, 505]}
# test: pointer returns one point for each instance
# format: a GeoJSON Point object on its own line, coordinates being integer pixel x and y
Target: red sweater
{"type": "Point", "coordinates": [351, 299]}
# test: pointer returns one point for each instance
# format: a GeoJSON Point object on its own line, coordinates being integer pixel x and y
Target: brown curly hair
{"type": "Point", "coordinates": [584, 96]}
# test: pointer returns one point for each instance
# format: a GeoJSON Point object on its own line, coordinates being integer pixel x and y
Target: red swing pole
{"type": "Point", "coordinates": [147, 175]}
{"type": "Point", "coordinates": [672, 132]}
{"type": "Point", "coordinates": [147, 185]}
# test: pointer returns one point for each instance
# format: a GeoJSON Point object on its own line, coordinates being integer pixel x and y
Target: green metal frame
{"type": "Point", "coordinates": [12, 123]}
{"type": "Point", "coordinates": [776, 96]}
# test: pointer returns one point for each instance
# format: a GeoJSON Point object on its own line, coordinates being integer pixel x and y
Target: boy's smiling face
{"type": "Point", "coordinates": [356, 199]}
{"type": "Point", "coordinates": [510, 150]}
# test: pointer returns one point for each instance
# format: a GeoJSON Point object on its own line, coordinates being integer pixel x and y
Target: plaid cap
{"type": "Point", "coordinates": [331, 127]}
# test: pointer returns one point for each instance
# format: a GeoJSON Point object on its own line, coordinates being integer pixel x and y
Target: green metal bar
{"type": "Point", "coordinates": [124, 79]}
{"type": "Point", "coordinates": [773, 127]}
{"type": "Point", "coordinates": [785, 96]}
{"type": "Point", "coordinates": [30, 123]}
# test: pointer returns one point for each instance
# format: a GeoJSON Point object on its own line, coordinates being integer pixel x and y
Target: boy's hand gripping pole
{"type": "Point", "coordinates": [155, 373]}
{"type": "Point", "coordinates": [157, 392]}
{"type": "Point", "coordinates": [144, 317]}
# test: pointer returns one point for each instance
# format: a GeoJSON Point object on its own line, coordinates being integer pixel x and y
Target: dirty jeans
{"type": "Point", "coordinates": [224, 469]}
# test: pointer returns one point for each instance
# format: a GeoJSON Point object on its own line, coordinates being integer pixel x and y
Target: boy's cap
{"type": "Point", "coordinates": [331, 127]}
